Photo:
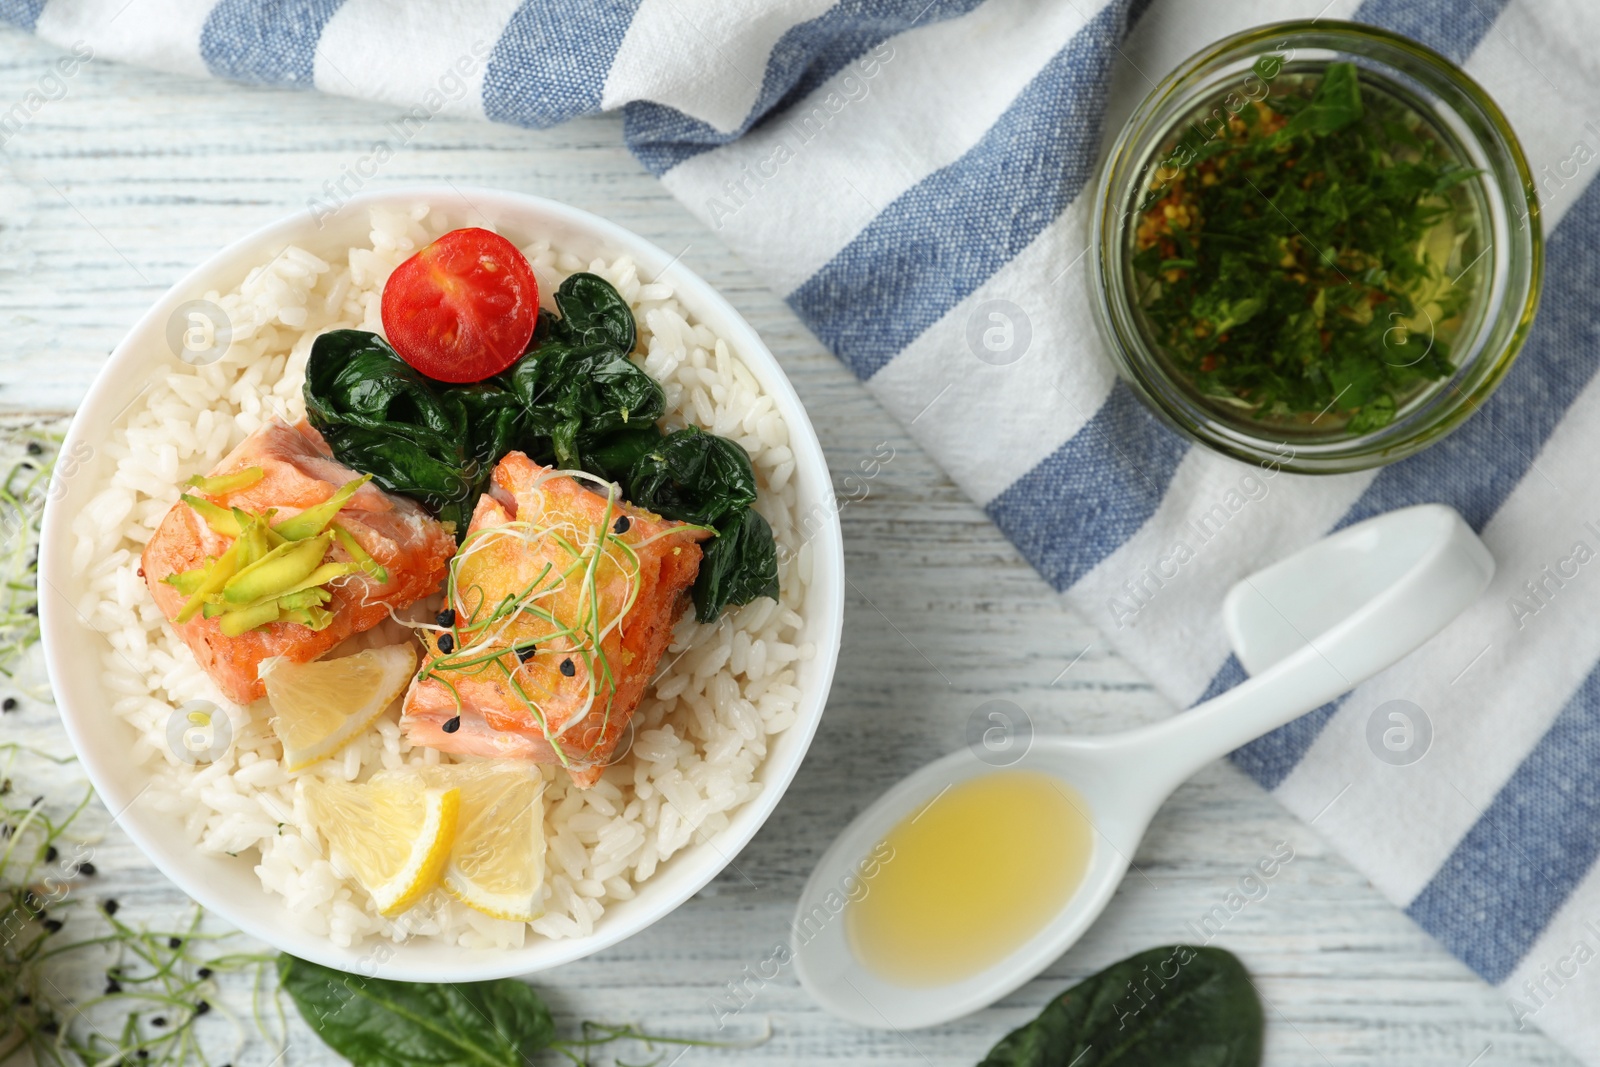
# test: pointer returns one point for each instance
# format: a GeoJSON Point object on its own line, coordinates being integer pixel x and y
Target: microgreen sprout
{"type": "Point", "coordinates": [153, 982]}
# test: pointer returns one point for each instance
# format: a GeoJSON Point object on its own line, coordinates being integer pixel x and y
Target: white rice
{"type": "Point", "coordinates": [701, 733]}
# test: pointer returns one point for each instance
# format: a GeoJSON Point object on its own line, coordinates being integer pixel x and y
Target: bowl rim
{"type": "Point", "coordinates": [62, 627]}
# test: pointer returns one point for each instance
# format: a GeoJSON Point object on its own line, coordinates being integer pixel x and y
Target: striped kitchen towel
{"type": "Point", "coordinates": [912, 173]}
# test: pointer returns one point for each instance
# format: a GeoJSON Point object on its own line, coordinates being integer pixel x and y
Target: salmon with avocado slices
{"type": "Point", "coordinates": [562, 600]}
{"type": "Point", "coordinates": [283, 551]}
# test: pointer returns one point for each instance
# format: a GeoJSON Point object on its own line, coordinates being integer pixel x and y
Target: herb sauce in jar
{"type": "Point", "coordinates": [1306, 262]}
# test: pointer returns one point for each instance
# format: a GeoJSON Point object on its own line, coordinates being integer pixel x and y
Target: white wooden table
{"type": "Point", "coordinates": [113, 191]}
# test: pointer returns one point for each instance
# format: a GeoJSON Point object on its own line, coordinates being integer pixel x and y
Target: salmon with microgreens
{"type": "Point", "coordinates": [559, 606]}
{"type": "Point", "coordinates": [284, 551]}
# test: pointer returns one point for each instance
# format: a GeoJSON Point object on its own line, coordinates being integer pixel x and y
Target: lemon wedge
{"type": "Point", "coordinates": [393, 834]}
{"type": "Point", "coordinates": [319, 707]}
{"type": "Point", "coordinates": [497, 864]}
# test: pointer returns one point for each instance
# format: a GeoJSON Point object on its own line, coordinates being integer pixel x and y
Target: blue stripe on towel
{"type": "Point", "coordinates": [21, 13]}
{"type": "Point", "coordinates": [551, 62]}
{"type": "Point", "coordinates": [944, 237]}
{"type": "Point", "coordinates": [272, 41]}
{"type": "Point", "coordinates": [1452, 27]}
{"type": "Point", "coordinates": [1528, 850]}
{"type": "Point", "coordinates": [1476, 468]}
{"type": "Point", "coordinates": [807, 55]}
{"type": "Point", "coordinates": [1093, 493]}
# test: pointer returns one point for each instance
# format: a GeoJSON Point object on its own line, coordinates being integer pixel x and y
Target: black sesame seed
{"type": "Point", "coordinates": [453, 725]}
{"type": "Point", "coordinates": [110, 906]}
{"type": "Point", "coordinates": [9, 704]}
{"type": "Point", "coordinates": [621, 525]}
{"type": "Point", "coordinates": [159, 1020]}
{"type": "Point", "coordinates": [51, 853]}
{"type": "Point", "coordinates": [204, 973]}
{"type": "Point", "coordinates": [35, 802]}
{"type": "Point", "coordinates": [447, 617]}
{"type": "Point", "coordinates": [527, 652]}
{"type": "Point", "coordinates": [174, 942]}
{"type": "Point", "coordinates": [202, 1007]}
{"type": "Point", "coordinates": [88, 870]}
{"type": "Point", "coordinates": [113, 987]}
{"type": "Point", "coordinates": [52, 926]}
{"type": "Point", "coordinates": [568, 668]}
{"type": "Point", "coordinates": [35, 448]}
{"type": "Point", "coordinates": [447, 644]}
{"type": "Point", "coordinates": [144, 1054]}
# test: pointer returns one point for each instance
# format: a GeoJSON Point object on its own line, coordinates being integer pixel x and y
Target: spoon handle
{"type": "Point", "coordinates": [1402, 615]}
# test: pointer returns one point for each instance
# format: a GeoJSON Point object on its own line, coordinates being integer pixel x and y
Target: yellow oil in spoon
{"type": "Point", "coordinates": [970, 877]}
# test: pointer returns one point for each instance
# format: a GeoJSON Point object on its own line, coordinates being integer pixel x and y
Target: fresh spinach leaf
{"type": "Point", "coordinates": [693, 476]}
{"type": "Point", "coordinates": [593, 312]}
{"type": "Point", "coordinates": [1176, 1006]}
{"type": "Point", "coordinates": [740, 564]}
{"type": "Point", "coordinates": [374, 1022]}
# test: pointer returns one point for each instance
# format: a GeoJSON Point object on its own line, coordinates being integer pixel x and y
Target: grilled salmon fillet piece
{"type": "Point", "coordinates": [299, 472]}
{"type": "Point", "coordinates": [562, 637]}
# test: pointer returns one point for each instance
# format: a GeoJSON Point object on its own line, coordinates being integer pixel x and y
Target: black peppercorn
{"type": "Point", "coordinates": [446, 618]}
{"type": "Point", "coordinates": [527, 652]}
{"type": "Point", "coordinates": [622, 524]}
{"type": "Point", "coordinates": [568, 668]}
{"type": "Point", "coordinates": [447, 644]}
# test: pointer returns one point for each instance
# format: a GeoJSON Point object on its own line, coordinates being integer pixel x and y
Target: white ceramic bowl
{"type": "Point", "coordinates": [229, 887]}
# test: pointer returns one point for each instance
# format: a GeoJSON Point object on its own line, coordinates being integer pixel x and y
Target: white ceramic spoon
{"type": "Point", "coordinates": [1307, 629]}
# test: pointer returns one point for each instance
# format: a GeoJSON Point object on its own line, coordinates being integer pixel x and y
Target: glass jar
{"type": "Point", "coordinates": [1199, 98]}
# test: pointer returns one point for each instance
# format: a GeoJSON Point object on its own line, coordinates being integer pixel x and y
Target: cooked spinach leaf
{"type": "Point", "coordinates": [693, 476]}
{"type": "Point", "coordinates": [382, 417]}
{"type": "Point", "coordinates": [576, 397]}
{"type": "Point", "coordinates": [1176, 1006]}
{"type": "Point", "coordinates": [701, 478]}
{"type": "Point", "coordinates": [576, 401]}
{"type": "Point", "coordinates": [593, 312]}
{"type": "Point", "coordinates": [740, 564]}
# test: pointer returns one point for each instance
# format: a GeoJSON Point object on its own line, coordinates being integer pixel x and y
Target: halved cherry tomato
{"type": "Point", "coordinates": [463, 308]}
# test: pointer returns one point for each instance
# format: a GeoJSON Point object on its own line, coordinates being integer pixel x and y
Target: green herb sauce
{"type": "Point", "coordinates": [1312, 259]}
